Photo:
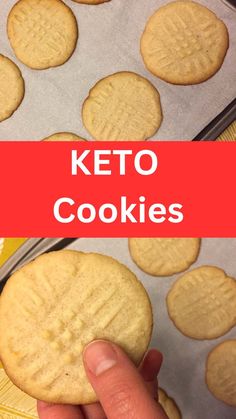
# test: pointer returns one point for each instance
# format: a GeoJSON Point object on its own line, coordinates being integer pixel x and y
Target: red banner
{"type": "Point", "coordinates": [94, 189]}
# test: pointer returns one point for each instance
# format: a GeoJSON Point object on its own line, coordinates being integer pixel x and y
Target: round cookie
{"type": "Point", "coordinates": [91, 1]}
{"type": "Point", "coordinates": [12, 87]}
{"type": "Point", "coordinates": [64, 136]}
{"type": "Point", "coordinates": [221, 372]}
{"type": "Point", "coordinates": [184, 43]}
{"type": "Point", "coordinates": [164, 256]}
{"type": "Point", "coordinates": [122, 107]}
{"type": "Point", "coordinates": [202, 303]}
{"type": "Point", "coordinates": [43, 33]}
{"type": "Point", "coordinates": [168, 404]}
{"type": "Point", "coordinates": [58, 304]}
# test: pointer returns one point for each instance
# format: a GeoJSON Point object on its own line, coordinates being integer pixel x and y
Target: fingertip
{"type": "Point", "coordinates": [99, 356]}
{"type": "Point", "coordinates": [151, 365]}
{"type": "Point", "coordinates": [57, 411]}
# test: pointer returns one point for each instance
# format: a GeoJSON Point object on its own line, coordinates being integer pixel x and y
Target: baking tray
{"type": "Point", "coordinates": [182, 374]}
{"type": "Point", "coordinates": [230, 3]}
{"type": "Point", "coordinates": [109, 42]}
{"type": "Point", "coordinates": [219, 124]}
{"type": "Point", "coordinates": [216, 127]}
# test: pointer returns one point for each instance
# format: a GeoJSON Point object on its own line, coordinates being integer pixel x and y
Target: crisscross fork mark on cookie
{"type": "Point", "coordinates": [123, 106]}
{"type": "Point", "coordinates": [184, 43]}
{"type": "Point", "coordinates": [39, 28]}
{"type": "Point", "coordinates": [84, 328]}
{"type": "Point", "coordinates": [212, 305]}
{"type": "Point", "coordinates": [180, 42]}
{"type": "Point", "coordinates": [164, 256]}
{"type": "Point", "coordinates": [202, 303]}
{"type": "Point", "coordinates": [65, 300]}
{"type": "Point", "coordinates": [43, 34]}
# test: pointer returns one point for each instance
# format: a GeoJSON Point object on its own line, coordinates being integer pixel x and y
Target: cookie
{"type": "Point", "coordinates": [59, 303]}
{"type": "Point", "coordinates": [164, 257]}
{"type": "Point", "coordinates": [202, 303]}
{"type": "Point", "coordinates": [91, 1]}
{"type": "Point", "coordinates": [64, 136]}
{"type": "Point", "coordinates": [184, 43]}
{"type": "Point", "coordinates": [122, 107]}
{"type": "Point", "coordinates": [43, 33]}
{"type": "Point", "coordinates": [221, 372]}
{"type": "Point", "coordinates": [168, 404]}
{"type": "Point", "coordinates": [12, 87]}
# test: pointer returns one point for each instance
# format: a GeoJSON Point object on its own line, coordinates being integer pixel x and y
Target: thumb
{"type": "Point", "coordinates": [118, 384]}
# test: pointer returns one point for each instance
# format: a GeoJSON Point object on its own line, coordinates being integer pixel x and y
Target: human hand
{"type": "Point", "coordinates": [123, 391]}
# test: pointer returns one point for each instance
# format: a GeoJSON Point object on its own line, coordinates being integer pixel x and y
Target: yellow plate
{"type": "Point", "coordinates": [8, 247]}
{"type": "Point", "coordinates": [14, 404]}
{"type": "Point", "coordinates": [229, 134]}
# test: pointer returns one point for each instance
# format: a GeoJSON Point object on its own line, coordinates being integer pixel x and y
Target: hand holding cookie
{"type": "Point", "coordinates": [122, 390]}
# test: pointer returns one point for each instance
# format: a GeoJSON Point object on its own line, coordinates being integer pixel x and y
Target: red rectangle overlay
{"type": "Point", "coordinates": [200, 176]}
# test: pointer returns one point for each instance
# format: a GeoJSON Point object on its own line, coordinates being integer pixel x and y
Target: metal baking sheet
{"type": "Point", "coordinates": [109, 42]}
{"type": "Point", "coordinates": [182, 374]}
{"type": "Point", "coordinates": [219, 124]}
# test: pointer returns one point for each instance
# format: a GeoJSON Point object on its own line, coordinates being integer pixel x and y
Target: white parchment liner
{"type": "Point", "coordinates": [109, 41]}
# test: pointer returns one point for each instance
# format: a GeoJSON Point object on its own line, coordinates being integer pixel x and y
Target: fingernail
{"type": "Point", "coordinates": [99, 357]}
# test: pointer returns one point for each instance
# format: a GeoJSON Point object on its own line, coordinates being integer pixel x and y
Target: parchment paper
{"type": "Point", "coordinates": [182, 374]}
{"type": "Point", "coordinates": [109, 42]}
